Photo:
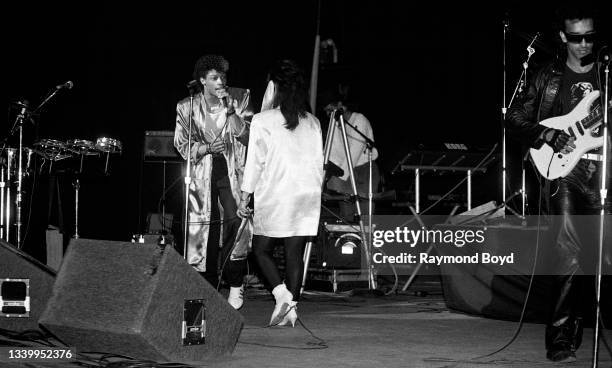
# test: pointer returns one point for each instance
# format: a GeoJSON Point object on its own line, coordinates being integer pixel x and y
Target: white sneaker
{"type": "Point", "coordinates": [236, 297]}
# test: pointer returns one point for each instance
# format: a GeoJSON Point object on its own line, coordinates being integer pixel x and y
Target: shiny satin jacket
{"type": "Point", "coordinates": [284, 170]}
{"type": "Point", "coordinates": [201, 168]}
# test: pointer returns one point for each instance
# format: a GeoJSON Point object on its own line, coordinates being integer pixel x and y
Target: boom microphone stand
{"type": "Point", "coordinates": [18, 196]}
{"type": "Point", "coordinates": [18, 125]}
{"type": "Point", "coordinates": [521, 83]}
{"type": "Point", "coordinates": [504, 110]}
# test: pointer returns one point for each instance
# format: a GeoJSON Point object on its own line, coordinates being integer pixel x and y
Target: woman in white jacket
{"type": "Point", "coordinates": [284, 172]}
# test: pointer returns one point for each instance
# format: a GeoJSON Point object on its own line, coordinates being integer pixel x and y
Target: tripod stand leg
{"type": "Point", "coordinates": [307, 251]}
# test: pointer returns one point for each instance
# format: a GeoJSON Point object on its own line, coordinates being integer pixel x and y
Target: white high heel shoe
{"type": "Point", "coordinates": [283, 299]}
{"type": "Point", "coordinates": [290, 315]}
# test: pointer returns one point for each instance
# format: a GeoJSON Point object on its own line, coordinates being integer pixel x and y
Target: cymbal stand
{"type": "Point", "coordinates": [77, 186]}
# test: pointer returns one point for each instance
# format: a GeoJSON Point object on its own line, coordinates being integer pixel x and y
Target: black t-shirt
{"type": "Point", "coordinates": [574, 87]}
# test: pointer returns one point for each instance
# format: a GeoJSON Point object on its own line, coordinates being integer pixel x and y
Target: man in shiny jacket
{"type": "Point", "coordinates": [219, 138]}
{"type": "Point", "coordinates": [554, 91]}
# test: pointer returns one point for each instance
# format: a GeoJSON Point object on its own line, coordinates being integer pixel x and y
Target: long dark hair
{"type": "Point", "coordinates": [291, 91]}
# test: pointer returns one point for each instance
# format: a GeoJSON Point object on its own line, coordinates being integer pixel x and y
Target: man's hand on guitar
{"type": "Point", "coordinates": [559, 140]}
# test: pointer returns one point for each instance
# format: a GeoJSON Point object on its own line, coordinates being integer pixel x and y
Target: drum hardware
{"type": "Point", "coordinates": [24, 114]}
{"type": "Point", "coordinates": [52, 150]}
{"type": "Point", "coordinates": [15, 164]}
{"type": "Point", "coordinates": [2, 186]}
{"type": "Point", "coordinates": [108, 146]}
{"type": "Point", "coordinates": [9, 170]}
{"type": "Point", "coordinates": [82, 148]}
{"type": "Point", "coordinates": [76, 185]}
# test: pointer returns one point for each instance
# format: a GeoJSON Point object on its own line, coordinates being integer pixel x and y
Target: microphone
{"type": "Point", "coordinates": [67, 85]}
{"type": "Point", "coordinates": [603, 55]}
{"type": "Point", "coordinates": [533, 40]}
{"type": "Point", "coordinates": [506, 21]}
{"type": "Point", "coordinates": [23, 106]}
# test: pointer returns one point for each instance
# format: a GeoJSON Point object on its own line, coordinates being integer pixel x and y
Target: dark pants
{"type": "Point", "coordinates": [221, 192]}
{"type": "Point", "coordinates": [294, 262]}
{"type": "Point", "coordinates": [574, 206]}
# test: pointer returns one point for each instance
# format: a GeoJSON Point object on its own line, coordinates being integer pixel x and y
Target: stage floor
{"type": "Point", "coordinates": [391, 331]}
{"type": "Point", "coordinates": [405, 330]}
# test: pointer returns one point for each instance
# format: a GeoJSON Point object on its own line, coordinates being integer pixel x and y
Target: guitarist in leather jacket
{"type": "Point", "coordinates": [554, 91]}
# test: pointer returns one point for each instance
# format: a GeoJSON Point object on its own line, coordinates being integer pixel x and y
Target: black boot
{"type": "Point", "coordinates": [563, 341]}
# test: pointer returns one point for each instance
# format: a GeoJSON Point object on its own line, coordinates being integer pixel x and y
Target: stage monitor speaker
{"type": "Point", "coordinates": [139, 300]}
{"type": "Point", "coordinates": [477, 289]}
{"type": "Point", "coordinates": [25, 288]}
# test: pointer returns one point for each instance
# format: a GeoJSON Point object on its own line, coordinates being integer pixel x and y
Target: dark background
{"type": "Point", "coordinates": [422, 74]}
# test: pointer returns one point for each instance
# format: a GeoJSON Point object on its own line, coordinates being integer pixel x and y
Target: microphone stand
{"type": "Point", "coordinates": [19, 193]}
{"type": "Point", "coordinates": [504, 110]}
{"type": "Point", "coordinates": [603, 196]}
{"type": "Point", "coordinates": [521, 83]}
{"type": "Point", "coordinates": [18, 196]}
{"type": "Point", "coordinates": [188, 173]}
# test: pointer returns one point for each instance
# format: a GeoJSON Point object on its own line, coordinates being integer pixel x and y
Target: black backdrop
{"type": "Point", "coordinates": [422, 74]}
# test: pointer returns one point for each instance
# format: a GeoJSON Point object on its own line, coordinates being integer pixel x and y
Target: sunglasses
{"type": "Point", "coordinates": [577, 38]}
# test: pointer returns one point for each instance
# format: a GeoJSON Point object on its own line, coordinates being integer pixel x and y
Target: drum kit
{"type": "Point", "coordinates": [13, 172]}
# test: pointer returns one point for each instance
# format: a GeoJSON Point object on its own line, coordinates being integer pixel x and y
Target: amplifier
{"type": "Point", "coordinates": [159, 146]}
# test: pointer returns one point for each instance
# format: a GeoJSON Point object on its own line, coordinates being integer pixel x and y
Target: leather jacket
{"type": "Point", "coordinates": [539, 102]}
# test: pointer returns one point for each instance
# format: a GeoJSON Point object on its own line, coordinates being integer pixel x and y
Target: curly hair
{"type": "Point", "coordinates": [209, 62]}
{"type": "Point", "coordinates": [291, 91]}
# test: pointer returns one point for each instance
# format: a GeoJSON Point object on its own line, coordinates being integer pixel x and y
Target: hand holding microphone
{"type": "Point", "coordinates": [227, 101]}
